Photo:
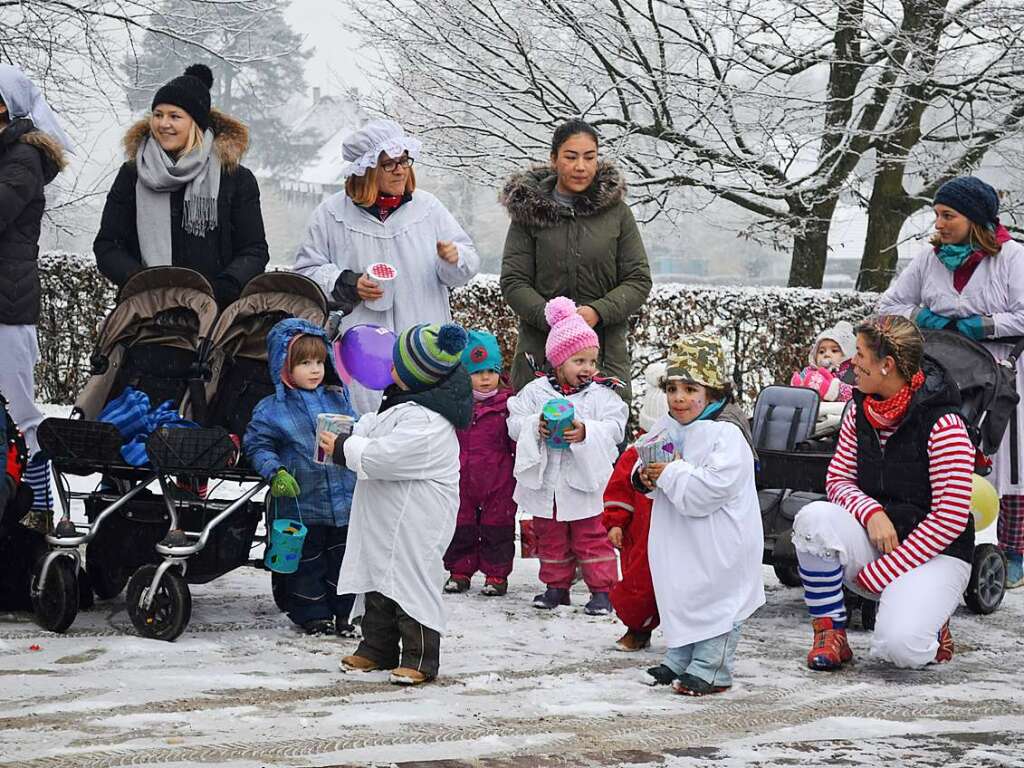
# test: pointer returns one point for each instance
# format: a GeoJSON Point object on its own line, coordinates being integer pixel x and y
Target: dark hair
{"type": "Point", "coordinates": [897, 337]}
{"type": "Point", "coordinates": [6, 116]}
{"type": "Point", "coordinates": [714, 394]}
{"type": "Point", "coordinates": [306, 347]}
{"type": "Point", "coordinates": [569, 129]}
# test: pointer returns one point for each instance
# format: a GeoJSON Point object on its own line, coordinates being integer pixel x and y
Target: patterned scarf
{"type": "Point", "coordinates": [886, 414]}
{"type": "Point", "coordinates": [546, 371]}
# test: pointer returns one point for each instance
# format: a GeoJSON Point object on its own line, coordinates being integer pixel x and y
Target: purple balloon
{"type": "Point", "coordinates": [366, 355]}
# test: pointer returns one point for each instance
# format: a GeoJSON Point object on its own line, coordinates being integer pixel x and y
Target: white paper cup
{"type": "Point", "coordinates": [384, 275]}
{"type": "Point", "coordinates": [335, 424]}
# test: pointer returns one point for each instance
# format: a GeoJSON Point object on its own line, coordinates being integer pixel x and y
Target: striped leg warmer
{"type": "Point", "coordinates": [823, 588]}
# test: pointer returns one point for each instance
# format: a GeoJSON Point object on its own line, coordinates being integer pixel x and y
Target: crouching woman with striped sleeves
{"type": "Point", "coordinates": [897, 526]}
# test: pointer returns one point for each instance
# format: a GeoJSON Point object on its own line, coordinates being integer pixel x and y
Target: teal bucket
{"type": "Point", "coordinates": [284, 550]}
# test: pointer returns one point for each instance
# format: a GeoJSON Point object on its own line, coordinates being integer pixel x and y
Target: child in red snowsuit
{"type": "Point", "coordinates": [484, 537]}
{"type": "Point", "coordinates": [627, 517]}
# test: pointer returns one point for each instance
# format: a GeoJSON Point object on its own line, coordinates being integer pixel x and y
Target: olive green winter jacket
{"type": "Point", "coordinates": [591, 253]}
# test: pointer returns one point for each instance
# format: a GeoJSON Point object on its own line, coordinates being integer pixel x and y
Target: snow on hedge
{"type": "Point", "coordinates": [765, 330]}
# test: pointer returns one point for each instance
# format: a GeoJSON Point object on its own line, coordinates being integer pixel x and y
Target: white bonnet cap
{"type": "Point", "coordinates": [655, 404]}
{"type": "Point", "coordinates": [361, 149]}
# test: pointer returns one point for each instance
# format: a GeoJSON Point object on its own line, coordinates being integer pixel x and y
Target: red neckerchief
{"type": "Point", "coordinates": [886, 414]}
{"type": "Point", "coordinates": [962, 274]}
{"type": "Point", "coordinates": [386, 205]}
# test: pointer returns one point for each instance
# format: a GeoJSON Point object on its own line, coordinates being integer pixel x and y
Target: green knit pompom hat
{"type": "Point", "coordinates": [425, 354]}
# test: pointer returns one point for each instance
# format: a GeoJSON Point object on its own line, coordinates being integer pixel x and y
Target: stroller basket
{"type": "Point", "coordinates": [795, 470]}
{"type": "Point", "coordinates": [182, 449]}
{"type": "Point", "coordinates": [75, 442]}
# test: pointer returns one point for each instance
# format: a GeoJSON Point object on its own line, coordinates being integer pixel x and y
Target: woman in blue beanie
{"type": "Point", "coordinates": [971, 280]}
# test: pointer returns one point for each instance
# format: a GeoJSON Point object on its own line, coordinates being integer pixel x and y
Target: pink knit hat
{"type": "Point", "coordinates": [569, 332]}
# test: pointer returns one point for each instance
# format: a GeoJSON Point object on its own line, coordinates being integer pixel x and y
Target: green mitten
{"type": "Point", "coordinates": [283, 484]}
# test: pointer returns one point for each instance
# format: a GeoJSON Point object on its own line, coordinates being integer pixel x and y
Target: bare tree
{"type": "Point", "coordinates": [767, 104]}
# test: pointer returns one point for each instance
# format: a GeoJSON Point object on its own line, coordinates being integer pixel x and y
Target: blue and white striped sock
{"type": "Point", "coordinates": [823, 588]}
{"type": "Point", "coordinates": [37, 475]}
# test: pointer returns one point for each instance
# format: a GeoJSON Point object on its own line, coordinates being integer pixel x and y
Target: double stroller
{"type": "Point", "coordinates": [151, 526]}
{"type": "Point", "coordinates": [794, 456]}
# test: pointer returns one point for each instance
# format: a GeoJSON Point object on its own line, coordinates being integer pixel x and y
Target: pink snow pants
{"type": "Point", "coordinates": [561, 545]}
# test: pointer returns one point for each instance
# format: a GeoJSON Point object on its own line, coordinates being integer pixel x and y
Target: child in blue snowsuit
{"type": "Point", "coordinates": [280, 442]}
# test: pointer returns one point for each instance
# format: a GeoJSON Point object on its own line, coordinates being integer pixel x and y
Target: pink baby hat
{"type": "Point", "coordinates": [569, 332]}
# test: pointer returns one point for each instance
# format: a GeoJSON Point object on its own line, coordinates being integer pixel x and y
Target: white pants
{"type": "Point", "coordinates": [19, 350]}
{"type": "Point", "coordinates": [912, 609]}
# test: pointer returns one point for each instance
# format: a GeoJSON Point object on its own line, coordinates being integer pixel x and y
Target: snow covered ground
{"type": "Point", "coordinates": [519, 687]}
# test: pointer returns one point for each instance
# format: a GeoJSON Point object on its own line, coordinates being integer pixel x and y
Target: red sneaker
{"type": "Point", "coordinates": [945, 650]}
{"type": "Point", "coordinates": [830, 649]}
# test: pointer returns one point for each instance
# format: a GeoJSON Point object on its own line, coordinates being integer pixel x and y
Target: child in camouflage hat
{"type": "Point", "coordinates": [706, 539]}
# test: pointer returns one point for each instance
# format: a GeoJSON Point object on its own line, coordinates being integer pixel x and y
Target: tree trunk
{"type": "Point", "coordinates": [887, 211]}
{"type": "Point", "coordinates": [810, 247]}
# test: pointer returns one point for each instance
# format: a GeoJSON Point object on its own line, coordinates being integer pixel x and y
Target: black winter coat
{"type": "Point", "coordinates": [29, 160]}
{"type": "Point", "coordinates": [228, 256]}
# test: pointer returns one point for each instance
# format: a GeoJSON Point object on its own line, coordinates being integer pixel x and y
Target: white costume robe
{"type": "Point", "coordinates": [996, 290]}
{"type": "Point", "coordinates": [706, 540]}
{"type": "Point", "coordinates": [572, 478]}
{"type": "Point", "coordinates": [403, 510]}
{"type": "Point", "coordinates": [342, 236]}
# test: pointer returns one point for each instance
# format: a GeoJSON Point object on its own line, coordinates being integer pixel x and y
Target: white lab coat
{"type": "Point", "coordinates": [996, 290]}
{"type": "Point", "coordinates": [572, 479]}
{"type": "Point", "coordinates": [403, 510]}
{"type": "Point", "coordinates": [706, 541]}
{"type": "Point", "coordinates": [342, 236]}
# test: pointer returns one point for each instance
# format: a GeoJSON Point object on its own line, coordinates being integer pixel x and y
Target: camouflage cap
{"type": "Point", "coordinates": [698, 358]}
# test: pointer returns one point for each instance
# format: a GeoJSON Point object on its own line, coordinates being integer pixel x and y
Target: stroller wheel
{"type": "Point", "coordinates": [987, 586]}
{"type": "Point", "coordinates": [56, 605]}
{"type": "Point", "coordinates": [171, 609]}
{"type": "Point", "coordinates": [277, 589]}
{"type": "Point", "coordinates": [108, 578]}
{"type": "Point", "coordinates": [788, 575]}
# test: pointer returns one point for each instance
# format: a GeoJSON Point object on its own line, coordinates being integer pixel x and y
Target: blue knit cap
{"type": "Point", "coordinates": [972, 197]}
{"type": "Point", "coordinates": [482, 353]}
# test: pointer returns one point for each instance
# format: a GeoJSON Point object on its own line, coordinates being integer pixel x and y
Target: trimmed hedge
{"type": "Point", "coordinates": [765, 330]}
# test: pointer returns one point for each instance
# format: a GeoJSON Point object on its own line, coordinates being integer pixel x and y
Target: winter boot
{"type": "Point", "coordinates": [456, 584]}
{"type": "Point", "coordinates": [660, 675]}
{"type": "Point", "coordinates": [691, 685]}
{"type": "Point", "coordinates": [319, 627]}
{"type": "Point", "coordinates": [830, 649]}
{"type": "Point", "coordinates": [633, 640]}
{"type": "Point", "coordinates": [599, 604]}
{"type": "Point", "coordinates": [343, 628]}
{"type": "Point", "coordinates": [551, 598]}
{"type": "Point", "coordinates": [1014, 570]}
{"type": "Point", "coordinates": [408, 676]}
{"type": "Point", "coordinates": [494, 587]}
{"type": "Point", "coordinates": [355, 663]}
{"type": "Point", "coordinates": [944, 653]}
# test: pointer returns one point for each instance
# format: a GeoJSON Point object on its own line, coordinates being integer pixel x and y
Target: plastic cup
{"type": "Point", "coordinates": [384, 275]}
{"type": "Point", "coordinates": [335, 424]}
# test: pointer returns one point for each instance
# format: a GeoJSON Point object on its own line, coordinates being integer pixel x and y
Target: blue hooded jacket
{"type": "Point", "coordinates": [282, 433]}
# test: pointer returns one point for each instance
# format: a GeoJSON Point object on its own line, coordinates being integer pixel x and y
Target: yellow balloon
{"type": "Point", "coordinates": [984, 502]}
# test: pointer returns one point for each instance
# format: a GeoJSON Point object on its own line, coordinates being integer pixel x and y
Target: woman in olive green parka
{"type": "Point", "coordinates": [573, 235]}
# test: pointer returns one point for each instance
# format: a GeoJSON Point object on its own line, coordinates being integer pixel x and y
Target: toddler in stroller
{"type": "Point", "coordinates": [830, 374]}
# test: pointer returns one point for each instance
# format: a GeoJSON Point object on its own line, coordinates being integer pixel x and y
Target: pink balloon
{"type": "Point", "coordinates": [366, 355]}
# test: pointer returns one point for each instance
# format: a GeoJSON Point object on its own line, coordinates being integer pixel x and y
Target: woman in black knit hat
{"type": "Point", "coordinates": [184, 187]}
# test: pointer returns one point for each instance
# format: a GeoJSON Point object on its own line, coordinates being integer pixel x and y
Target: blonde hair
{"type": "Point", "coordinates": [363, 189]}
{"type": "Point", "coordinates": [195, 139]}
{"type": "Point", "coordinates": [897, 337]}
{"type": "Point", "coordinates": [980, 236]}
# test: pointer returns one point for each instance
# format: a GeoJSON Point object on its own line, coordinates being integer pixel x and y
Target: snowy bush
{"type": "Point", "coordinates": [765, 331]}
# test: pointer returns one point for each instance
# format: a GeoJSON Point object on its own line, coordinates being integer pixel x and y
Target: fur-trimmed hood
{"type": "Point", "coordinates": [24, 131]}
{"type": "Point", "coordinates": [231, 139]}
{"type": "Point", "coordinates": [527, 195]}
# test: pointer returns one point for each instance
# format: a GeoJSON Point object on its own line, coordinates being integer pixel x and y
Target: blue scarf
{"type": "Point", "coordinates": [953, 256]}
{"type": "Point", "coordinates": [677, 431]}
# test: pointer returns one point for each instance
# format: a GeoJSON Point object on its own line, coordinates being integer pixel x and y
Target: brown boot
{"type": "Point", "coordinates": [830, 649]}
{"type": "Point", "coordinates": [407, 676]}
{"type": "Point", "coordinates": [633, 640]}
{"type": "Point", "coordinates": [358, 664]}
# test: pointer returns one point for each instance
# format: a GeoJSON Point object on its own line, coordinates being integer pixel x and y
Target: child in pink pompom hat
{"type": "Point", "coordinates": [830, 372]}
{"type": "Point", "coordinates": [563, 487]}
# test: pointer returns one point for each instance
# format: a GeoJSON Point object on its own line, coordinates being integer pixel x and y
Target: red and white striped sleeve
{"type": "Point", "coordinates": [841, 479]}
{"type": "Point", "coordinates": [950, 463]}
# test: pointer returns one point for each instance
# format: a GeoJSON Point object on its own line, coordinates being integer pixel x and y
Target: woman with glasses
{"type": "Point", "coordinates": [971, 280]}
{"type": "Point", "coordinates": [381, 218]}
{"type": "Point", "coordinates": [897, 526]}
